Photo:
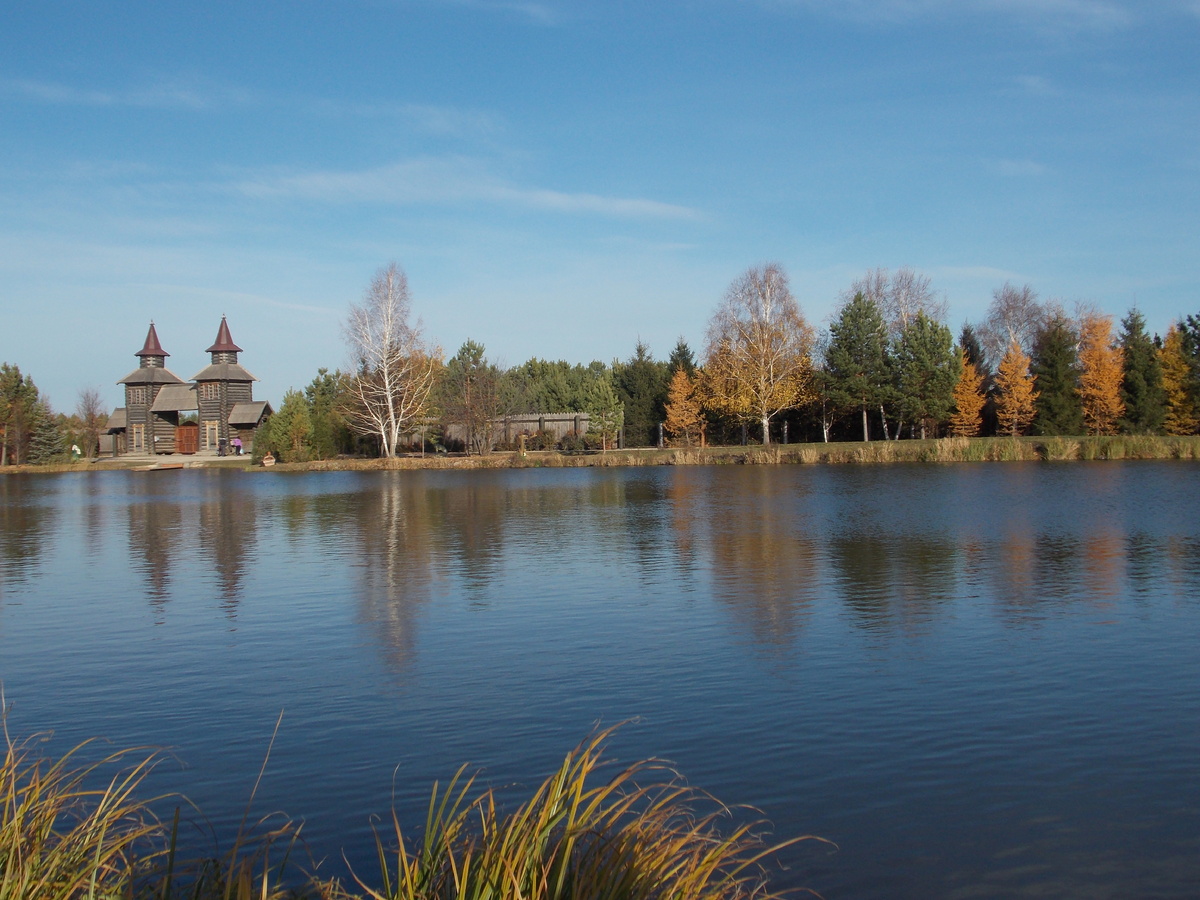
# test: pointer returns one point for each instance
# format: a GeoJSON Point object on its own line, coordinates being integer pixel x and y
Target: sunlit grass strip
{"type": "Point", "coordinates": [580, 836]}
{"type": "Point", "coordinates": [61, 839]}
{"type": "Point", "coordinates": [576, 839]}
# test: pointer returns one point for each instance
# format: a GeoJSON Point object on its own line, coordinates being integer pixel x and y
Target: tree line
{"type": "Point", "coordinates": [886, 367]}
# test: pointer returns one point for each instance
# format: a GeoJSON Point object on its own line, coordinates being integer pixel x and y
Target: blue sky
{"type": "Point", "coordinates": [561, 179]}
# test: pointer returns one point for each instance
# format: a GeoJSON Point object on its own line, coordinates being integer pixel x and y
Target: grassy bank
{"type": "Point", "coordinates": [71, 829]}
{"type": "Point", "coordinates": [944, 450]}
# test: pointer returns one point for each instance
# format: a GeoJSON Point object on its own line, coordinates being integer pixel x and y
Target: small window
{"type": "Point", "coordinates": [209, 390]}
{"type": "Point", "coordinates": [137, 396]}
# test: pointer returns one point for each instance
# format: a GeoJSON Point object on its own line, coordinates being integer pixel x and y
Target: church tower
{"type": "Point", "coordinates": [220, 387]}
{"type": "Point", "coordinates": [146, 432]}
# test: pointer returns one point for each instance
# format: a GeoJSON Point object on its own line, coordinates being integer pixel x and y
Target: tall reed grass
{"type": "Point", "coordinates": [579, 837]}
{"type": "Point", "coordinates": [590, 831]}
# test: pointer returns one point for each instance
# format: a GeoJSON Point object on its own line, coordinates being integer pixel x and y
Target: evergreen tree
{"type": "Point", "coordinates": [1142, 379]}
{"type": "Point", "coordinates": [1015, 396]}
{"type": "Point", "coordinates": [967, 417]}
{"type": "Point", "coordinates": [18, 401]}
{"type": "Point", "coordinates": [605, 412]}
{"type": "Point", "coordinates": [641, 384]}
{"type": "Point", "coordinates": [47, 443]}
{"type": "Point", "coordinates": [290, 429]}
{"type": "Point", "coordinates": [968, 340]}
{"type": "Point", "coordinates": [858, 367]}
{"type": "Point", "coordinates": [681, 358]}
{"type": "Point", "coordinates": [326, 397]}
{"type": "Point", "coordinates": [470, 396]}
{"type": "Point", "coordinates": [927, 369]}
{"type": "Point", "coordinates": [1055, 364]}
{"type": "Point", "coordinates": [1180, 417]}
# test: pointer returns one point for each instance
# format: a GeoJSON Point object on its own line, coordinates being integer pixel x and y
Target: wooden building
{"type": "Point", "coordinates": [165, 414]}
{"type": "Point", "coordinates": [146, 431]}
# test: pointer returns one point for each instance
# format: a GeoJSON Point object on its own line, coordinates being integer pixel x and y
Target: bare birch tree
{"type": "Point", "coordinates": [899, 296]}
{"type": "Point", "coordinates": [758, 359]}
{"type": "Point", "coordinates": [393, 368]}
{"type": "Point", "coordinates": [1013, 315]}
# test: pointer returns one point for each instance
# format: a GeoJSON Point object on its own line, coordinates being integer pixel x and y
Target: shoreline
{"type": "Point", "coordinates": [934, 450]}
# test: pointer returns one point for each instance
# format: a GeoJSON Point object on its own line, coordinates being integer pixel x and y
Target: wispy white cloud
{"type": "Point", "coordinates": [454, 180]}
{"type": "Point", "coordinates": [1091, 14]}
{"type": "Point", "coordinates": [215, 298]}
{"type": "Point", "coordinates": [1037, 86]}
{"type": "Point", "coordinates": [1019, 168]}
{"type": "Point", "coordinates": [427, 119]}
{"type": "Point", "coordinates": [166, 95]}
{"type": "Point", "coordinates": [537, 13]}
{"type": "Point", "coordinates": [431, 120]}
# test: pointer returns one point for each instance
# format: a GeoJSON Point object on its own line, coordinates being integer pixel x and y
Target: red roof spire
{"type": "Point", "coordinates": [152, 347]}
{"type": "Point", "coordinates": [224, 343]}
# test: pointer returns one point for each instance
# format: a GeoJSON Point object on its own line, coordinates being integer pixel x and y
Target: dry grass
{"type": "Point", "coordinates": [588, 832]}
{"type": "Point", "coordinates": [60, 837]}
{"type": "Point", "coordinates": [578, 839]}
{"type": "Point", "coordinates": [941, 450]}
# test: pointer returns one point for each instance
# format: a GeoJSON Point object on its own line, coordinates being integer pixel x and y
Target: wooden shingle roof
{"type": "Point", "coordinates": [249, 413]}
{"type": "Point", "coordinates": [151, 375]}
{"type": "Point", "coordinates": [223, 372]}
{"type": "Point", "coordinates": [175, 398]}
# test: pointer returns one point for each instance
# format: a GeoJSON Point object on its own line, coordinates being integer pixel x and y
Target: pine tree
{"type": "Point", "coordinates": [684, 421]}
{"type": "Point", "coordinates": [291, 428]}
{"type": "Point", "coordinates": [858, 368]}
{"type": "Point", "coordinates": [927, 370]}
{"type": "Point", "coordinates": [326, 396]}
{"type": "Point", "coordinates": [967, 417]}
{"type": "Point", "coordinates": [606, 415]}
{"type": "Point", "coordinates": [1142, 379]}
{"type": "Point", "coordinates": [1055, 364]}
{"type": "Point", "coordinates": [47, 443]}
{"type": "Point", "coordinates": [1101, 370]}
{"type": "Point", "coordinates": [641, 385]}
{"type": "Point", "coordinates": [681, 358]}
{"type": "Point", "coordinates": [1015, 395]}
{"type": "Point", "coordinates": [1180, 416]}
{"type": "Point", "coordinates": [968, 340]}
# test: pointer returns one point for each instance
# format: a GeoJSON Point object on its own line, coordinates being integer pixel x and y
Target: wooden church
{"type": "Point", "coordinates": [212, 414]}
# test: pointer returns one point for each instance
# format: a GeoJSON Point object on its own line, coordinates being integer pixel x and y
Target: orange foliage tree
{"type": "Point", "coordinates": [1101, 370]}
{"type": "Point", "coordinates": [1014, 390]}
{"type": "Point", "coordinates": [757, 362]}
{"type": "Point", "coordinates": [1181, 410]}
{"type": "Point", "coordinates": [967, 417]}
{"type": "Point", "coordinates": [684, 422]}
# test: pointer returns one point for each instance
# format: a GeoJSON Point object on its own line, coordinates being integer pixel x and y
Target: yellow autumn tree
{"type": "Point", "coordinates": [757, 361]}
{"type": "Point", "coordinates": [1014, 391]}
{"type": "Point", "coordinates": [1181, 408]}
{"type": "Point", "coordinates": [684, 422]}
{"type": "Point", "coordinates": [967, 417]}
{"type": "Point", "coordinates": [1101, 368]}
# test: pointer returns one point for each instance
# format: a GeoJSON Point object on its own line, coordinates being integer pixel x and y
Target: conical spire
{"type": "Point", "coordinates": [152, 347]}
{"type": "Point", "coordinates": [224, 342]}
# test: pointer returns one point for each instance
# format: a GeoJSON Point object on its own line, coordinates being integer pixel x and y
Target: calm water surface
{"type": "Point", "coordinates": [979, 681]}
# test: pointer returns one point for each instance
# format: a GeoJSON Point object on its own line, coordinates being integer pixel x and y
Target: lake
{"type": "Point", "coordinates": [978, 680]}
